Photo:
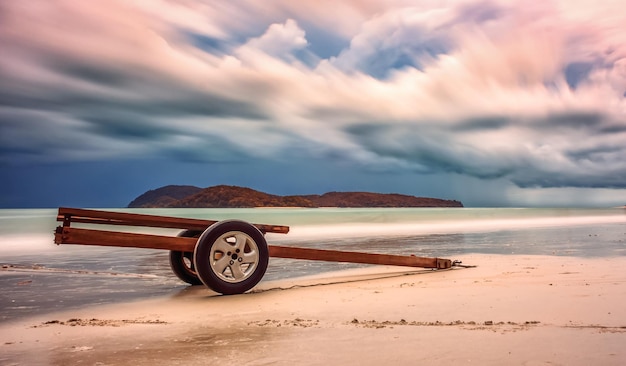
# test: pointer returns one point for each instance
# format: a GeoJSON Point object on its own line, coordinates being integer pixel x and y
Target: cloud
{"type": "Point", "coordinates": [533, 94]}
{"type": "Point", "coordinates": [280, 39]}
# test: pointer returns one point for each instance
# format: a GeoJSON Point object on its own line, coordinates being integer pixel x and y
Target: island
{"type": "Point", "coordinates": [225, 196]}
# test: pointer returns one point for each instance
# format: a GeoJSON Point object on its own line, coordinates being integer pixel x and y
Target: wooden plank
{"type": "Point", "coordinates": [70, 235]}
{"type": "Point", "coordinates": [357, 257]}
{"type": "Point", "coordinates": [172, 224]}
{"type": "Point", "coordinates": [132, 219]}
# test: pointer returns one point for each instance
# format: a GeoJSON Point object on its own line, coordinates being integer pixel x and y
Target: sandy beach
{"type": "Point", "coordinates": [518, 310]}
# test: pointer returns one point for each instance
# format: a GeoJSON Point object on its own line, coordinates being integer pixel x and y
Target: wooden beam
{"type": "Point", "coordinates": [71, 235]}
{"type": "Point", "coordinates": [357, 257]}
{"type": "Point", "coordinates": [68, 215]}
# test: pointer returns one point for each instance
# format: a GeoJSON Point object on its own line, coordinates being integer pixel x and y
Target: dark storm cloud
{"type": "Point", "coordinates": [429, 150]}
{"type": "Point", "coordinates": [106, 74]}
{"type": "Point", "coordinates": [595, 123]}
{"type": "Point", "coordinates": [589, 121]}
{"type": "Point", "coordinates": [126, 126]}
{"type": "Point", "coordinates": [601, 154]}
{"type": "Point", "coordinates": [533, 159]}
{"type": "Point", "coordinates": [212, 149]}
{"type": "Point", "coordinates": [583, 180]}
{"type": "Point", "coordinates": [154, 94]}
{"type": "Point", "coordinates": [485, 123]}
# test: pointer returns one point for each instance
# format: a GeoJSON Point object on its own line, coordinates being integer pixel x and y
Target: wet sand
{"type": "Point", "coordinates": [522, 310]}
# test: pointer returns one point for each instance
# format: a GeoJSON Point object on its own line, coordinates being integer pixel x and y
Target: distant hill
{"type": "Point", "coordinates": [223, 196]}
{"type": "Point", "coordinates": [164, 196]}
{"type": "Point", "coordinates": [367, 199]}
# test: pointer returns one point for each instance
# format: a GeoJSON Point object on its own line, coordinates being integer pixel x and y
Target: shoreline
{"type": "Point", "coordinates": [511, 309]}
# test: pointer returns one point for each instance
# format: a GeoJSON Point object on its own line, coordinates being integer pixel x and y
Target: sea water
{"type": "Point", "coordinates": [39, 276]}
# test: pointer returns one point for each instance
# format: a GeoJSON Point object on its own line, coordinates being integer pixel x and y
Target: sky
{"type": "Point", "coordinates": [493, 103]}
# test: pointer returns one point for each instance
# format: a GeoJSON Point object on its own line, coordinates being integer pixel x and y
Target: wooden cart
{"type": "Point", "coordinates": [229, 257]}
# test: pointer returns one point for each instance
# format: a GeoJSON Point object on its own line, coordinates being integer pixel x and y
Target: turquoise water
{"type": "Point", "coordinates": [40, 276]}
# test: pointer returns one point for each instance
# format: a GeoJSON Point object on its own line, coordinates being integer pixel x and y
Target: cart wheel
{"type": "Point", "coordinates": [231, 257]}
{"type": "Point", "coordinates": [182, 262]}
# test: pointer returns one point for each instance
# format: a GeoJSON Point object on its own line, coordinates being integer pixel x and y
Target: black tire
{"type": "Point", "coordinates": [182, 262]}
{"type": "Point", "coordinates": [231, 257]}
